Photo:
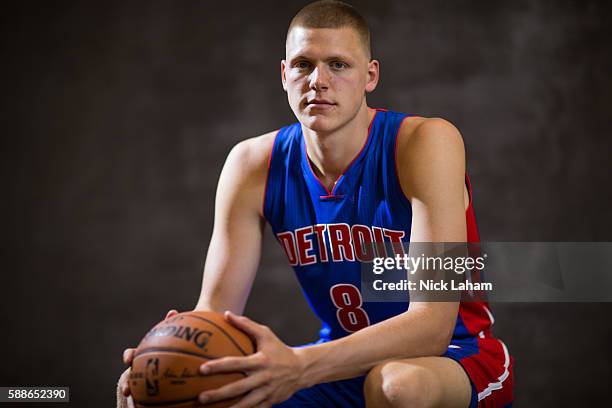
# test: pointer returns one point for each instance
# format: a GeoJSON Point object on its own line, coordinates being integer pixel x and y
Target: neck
{"type": "Point", "coordinates": [330, 153]}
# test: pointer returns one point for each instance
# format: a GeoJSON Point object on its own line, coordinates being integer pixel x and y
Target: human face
{"type": "Point", "coordinates": [326, 75]}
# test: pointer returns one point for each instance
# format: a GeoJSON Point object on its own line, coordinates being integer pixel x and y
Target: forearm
{"type": "Point", "coordinates": [219, 297]}
{"type": "Point", "coordinates": [415, 333]}
{"type": "Point", "coordinates": [230, 270]}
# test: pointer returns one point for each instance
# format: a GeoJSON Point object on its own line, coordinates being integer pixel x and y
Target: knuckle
{"type": "Point", "coordinates": [267, 377]}
{"type": "Point", "coordinates": [263, 333]}
{"type": "Point", "coordinates": [262, 359]}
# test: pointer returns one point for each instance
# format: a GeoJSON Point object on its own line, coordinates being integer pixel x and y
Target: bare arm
{"type": "Point", "coordinates": [431, 168]}
{"type": "Point", "coordinates": [234, 251]}
{"type": "Point", "coordinates": [235, 247]}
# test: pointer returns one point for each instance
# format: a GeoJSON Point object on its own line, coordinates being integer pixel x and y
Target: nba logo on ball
{"type": "Point", "coordinates": [152, 373]}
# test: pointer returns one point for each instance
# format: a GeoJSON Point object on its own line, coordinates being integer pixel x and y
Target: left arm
{"type": "Point", "coordinates": [431, 164]}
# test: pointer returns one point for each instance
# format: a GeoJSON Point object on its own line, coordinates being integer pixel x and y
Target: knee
{"type": "Point", "coordinates": [395, 385]}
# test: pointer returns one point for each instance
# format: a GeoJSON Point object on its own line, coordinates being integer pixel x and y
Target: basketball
{"type": "Point", "coordinates": [165, 369]}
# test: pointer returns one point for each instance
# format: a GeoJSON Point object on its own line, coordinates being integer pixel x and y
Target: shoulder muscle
{"type": "Point", "coordinates": [431, 165]}
{"type": "Point", "coordinates": [431, 154]}
{"type": "Point", "coordinates": [245, 171]}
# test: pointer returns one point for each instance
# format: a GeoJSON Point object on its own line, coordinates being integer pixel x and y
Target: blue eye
{"type": "Point", "coordinates": [338, 65]}
{"type": "Point", "coordinates": [301, 65]}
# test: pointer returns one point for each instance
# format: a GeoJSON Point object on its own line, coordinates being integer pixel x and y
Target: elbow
{"type": "Point", "coordinates": [441, 339]}
{"type": "Point", "coordinates": [437, 322]}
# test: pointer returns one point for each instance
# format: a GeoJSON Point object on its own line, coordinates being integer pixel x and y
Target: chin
{"type": "Point", "coordinates": [319, 123]}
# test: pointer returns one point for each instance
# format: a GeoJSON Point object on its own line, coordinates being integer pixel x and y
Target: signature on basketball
{"type": "Point", "coordinates": [171, 375]}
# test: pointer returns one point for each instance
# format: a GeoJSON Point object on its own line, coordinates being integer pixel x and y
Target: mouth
{"type": "Point", "coordinates": [320, 104]}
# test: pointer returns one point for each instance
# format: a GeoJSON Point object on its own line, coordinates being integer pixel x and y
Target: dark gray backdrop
{"type": "Point", "coordinates": [117, 117]}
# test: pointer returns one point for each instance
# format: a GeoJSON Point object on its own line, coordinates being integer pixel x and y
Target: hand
{"type": "Point", "coordinates": [273, 372]}
{"type": "Point", "coordinates": [128, 356]}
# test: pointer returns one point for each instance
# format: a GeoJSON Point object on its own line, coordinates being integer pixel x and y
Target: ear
{"type": "Point", "coordinates": [373, 75]}
{"type": "Point", "coordinates": [283, 77]}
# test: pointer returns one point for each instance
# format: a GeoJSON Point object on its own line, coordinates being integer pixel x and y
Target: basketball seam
{"type": "Point", "coordinates": [173, 350]}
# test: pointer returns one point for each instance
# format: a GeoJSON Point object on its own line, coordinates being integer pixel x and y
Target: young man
{"type": "Point", "coordinates": [346, 173]}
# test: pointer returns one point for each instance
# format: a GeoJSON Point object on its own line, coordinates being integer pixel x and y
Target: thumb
{"type": "Point", "coordinates": [171, 312]}
{"type": "Point", "coordinates": [255, 330]}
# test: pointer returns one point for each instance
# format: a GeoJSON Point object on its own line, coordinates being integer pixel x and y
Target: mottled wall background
{"type": "Point", "coordinates": [117, 117]}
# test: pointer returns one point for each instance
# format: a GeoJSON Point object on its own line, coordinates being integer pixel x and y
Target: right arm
{"type": "Point", "coordinates": [235, 246]}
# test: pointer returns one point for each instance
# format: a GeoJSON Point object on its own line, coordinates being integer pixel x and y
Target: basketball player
{"type": "Point", "coordinates": [344, 173]}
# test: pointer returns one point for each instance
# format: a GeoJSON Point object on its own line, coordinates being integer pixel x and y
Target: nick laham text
{"type": "Point", "coordinates": [431, 285]}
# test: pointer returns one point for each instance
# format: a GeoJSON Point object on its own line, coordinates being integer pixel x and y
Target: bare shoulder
{"type": "Point", "coordinates": [244, 174]}
{"type": "Point", "coordinates": [252, 154]}
{"type": "Point", "coordinates": [247, 162]}
{"type": "Point", "coordinates": [430, 156]}
{"type": "Point", "coordinates": [428, 136]}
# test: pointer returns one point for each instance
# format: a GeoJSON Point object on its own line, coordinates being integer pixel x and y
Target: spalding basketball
{"type": "Point", "coordinates": [165, 369]}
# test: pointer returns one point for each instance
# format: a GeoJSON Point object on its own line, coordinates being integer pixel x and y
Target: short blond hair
{"type": "Point", "coordinates": [333, 14]}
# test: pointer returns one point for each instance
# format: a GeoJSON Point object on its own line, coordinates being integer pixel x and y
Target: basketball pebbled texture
{"type": "Point", "coordinates": [165, 368]}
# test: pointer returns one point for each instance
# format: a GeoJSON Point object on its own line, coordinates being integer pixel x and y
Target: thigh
{"type": "Point", "coordinates": [422, 381]}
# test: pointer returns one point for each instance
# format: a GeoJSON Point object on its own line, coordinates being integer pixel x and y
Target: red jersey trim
{"type": "Point", "coordinates": [331, 193]}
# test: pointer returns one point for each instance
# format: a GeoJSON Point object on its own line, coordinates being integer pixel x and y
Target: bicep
{"type": "Point", "coordinates": [433, 178]}
{"type": "Point", "coordinates": [234, 251]}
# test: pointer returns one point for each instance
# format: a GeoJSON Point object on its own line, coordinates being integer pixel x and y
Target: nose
{"type": "Point", "coordinates": [319, 78]}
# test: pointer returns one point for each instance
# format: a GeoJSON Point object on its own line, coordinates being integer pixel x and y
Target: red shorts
{"type": "Point", "coordinates": [488, 364]}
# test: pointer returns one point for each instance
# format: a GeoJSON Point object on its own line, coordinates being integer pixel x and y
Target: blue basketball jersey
{"type": "Point", "coordinates": [325, 234]}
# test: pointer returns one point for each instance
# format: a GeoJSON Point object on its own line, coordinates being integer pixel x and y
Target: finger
{"type": "Point", "coordinates": [171, 312]}
{"type": "Point", "coordinates": [128, 355]}
{"type": "Point", "coordinates": [124, 385]}
{"type": "Point", "coordinates": [233, 389]}
{"type": "Point", "coordinates": [255, 398]}
{"type": "Point", "coordinates": [255, 330]}
{"type": "Point", "coordinates": [125, 389]}
{"type": "Point", "coordinates": [232, 364]}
